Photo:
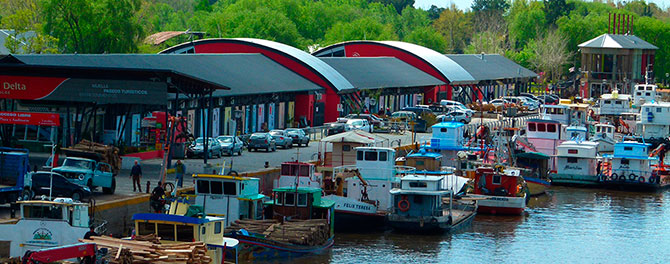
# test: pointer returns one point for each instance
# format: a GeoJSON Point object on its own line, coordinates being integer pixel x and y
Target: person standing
{"type": "Point", "coordinates": [179, 170]}
{"type": "Point", "coordinates": [136, 174]}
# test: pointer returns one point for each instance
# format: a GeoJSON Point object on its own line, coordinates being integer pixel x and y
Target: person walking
{"type": "Point", "coordinates": [136, 174]}
{"type": "Point", "coordinates": [179, 170]}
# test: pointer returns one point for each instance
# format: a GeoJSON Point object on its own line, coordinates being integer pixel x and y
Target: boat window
{"type": "Point", "coordinates": [289, 199]}
{"type": "Point", "coordinates": [573, 151]}
{"type": "Point", "coordinates": [572, 160]}
{"type": "Point", "coordinates": [541, 128]}
{"type": "Point", "coordinates": [302, 199]}
{"type": "Point", "coordinates": [609, 130]}
{"type": "Point", "coordinates": [647, 94]}
{"type": "Point", "coordinates": [286, 169]}
{"type": "Point", "coordinates": [359, 155]}
{"type": "Point", "coordinates": [48, 212]}
{"type": "Point", "coordinates": [420, 163]}
{"type": "Point", "coordinates": [597, 129]}
{"type": "Point", "coordinates": [416, 184]}
{"type": "Point", "coordinates": [346, 148]}
{"type": "Point", "coordinates": [607, 102]}
{"type": "Point", "coordinates": [216, 187]}
{"type": "Point", "coordinates": [229, 188]}
{"type": "Point", "coordinates": [531, 126]}
{"type": "Point", "coordinates": [144, 228]}
{"type": "Point", "coordinates": [617, 102]}
{"type": "Point", "coordinates": [625, 162]}
{"type": "Point", "coordinates": [649, 88]}
{"type": "Point", "coordinates": [185, 233]}
{"type": "Point", "coordinates": [658, 109]}
{"type": "Point", "coordinates": [371, 155]}
{"type": "Point", "coordinates": [383, 156]}
{"type": "Point", "coordinates": [166, 231]}
{"type": "Point", "coordinates": [217, 228]}
{"type": "Point", "coordinates": [204, 230]}
{"type": "Point", "coordinates": [304, 170]}
{"type": "Point", "coordinates": [551, 128]}
{"type": "Point", "coordinates": [497, 179]}
{"type": "Point", "coordinates": [203, 186]}
{"type": "Point", "coordinates": [279, 198]}
{"type": "Point", "coordinates": [443, 130]}
{"type": "Point", "coordinates": [627, 148]}
{"type": "Point", "coordinates": [639, 93]}
{"type": "Point", "coordinates": [646, 109]}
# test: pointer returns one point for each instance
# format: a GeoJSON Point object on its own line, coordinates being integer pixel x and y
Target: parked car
{"type": "Point", "coordinates": [418, 110]}
{"type": "Point", "coordinates": [458, 105]}
{"type": "Point", "coordinates": [299, 136]}
{"type": "Point", "coordinates": [337, 127]}
{"type": "Point", "coordinates": [529, 95]}
{"type": "Point", "coordinates": [374, 120]}
{"type": "Point", "coordinates": [197, 148]}
{"type": "Point", "coordinates": [439, 109]}
{"type": "Point", "coordinates": [404, 115]}
{"type": "Point", "coordinates": [532, 105]}
{"type": "Point", "coordinates": [230, 145]}
{"type": "Point", "coordinates": [262, 141]}
{"type": "Point", "coordinates": [88, 172]}
{"type": "Point", "coordinates": [457, 115]}
{"type": "Point", "coordinates": [282, 140]}
{"type": "Point", "coordinates": [359, 124]}
{"type": "Point", "coordinates": [61, 187]}
{"type": "Point", "coordinates": [548, 99]}
{"type": "Point", "coordinates": [499, 102]}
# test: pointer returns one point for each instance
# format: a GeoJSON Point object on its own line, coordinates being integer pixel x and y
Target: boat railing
{"type": "Point", "coordinates": [397, 171]}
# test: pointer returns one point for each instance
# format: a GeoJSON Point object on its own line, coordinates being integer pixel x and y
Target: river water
{"type": "Point", "coordinates": [568, 225]}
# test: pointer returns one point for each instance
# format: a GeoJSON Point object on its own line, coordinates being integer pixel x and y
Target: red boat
{"type": "Point", "coordinates": [499, 191]}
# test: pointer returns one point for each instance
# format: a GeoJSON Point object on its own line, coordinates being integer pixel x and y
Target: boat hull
{"type": "Point", "coordinates": [630, 185]}
{"type": "Point", "coordinates": [574, 179]}
{"type": "Point", "coordinates": [346, 221]}
{"type": "Point", "coordinates": [255, 248]}
{"type": "Point", "coordinates": [500, 205]}
{"type": "Point", "coordinates": [440, 224]}
{"type": "Point", "coordinates": [536, 186]}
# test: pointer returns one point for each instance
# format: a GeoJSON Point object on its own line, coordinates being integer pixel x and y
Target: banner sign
{"type": "Point", "coordinates": [83, 90]}
{"type": "Point", "coordinates": [26, 118]}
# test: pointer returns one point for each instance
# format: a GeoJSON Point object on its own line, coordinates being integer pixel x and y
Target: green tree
{"type": "Point", "coordinates": [500, 6]}
{"type": "Point", "coordinates": [361, 29]}
{"type": "Point", "coordinates": [456, 27]}
{"type": "Point", "coordinates": [488, 42]}
{"type": "Point", "coordinates": [526, 21]}
{"type": "Point", "coordinates": [551, 54]}
{"type": "Point", "coordinates": [428, 37]}
{"type": "Point", "coordinates": [23, 21]}
{"type": "Point", "coordinates": [434, 12]}
{"type": "Point", "coordinates": [554, 9]}
{"type": "Point", "coordinates": [399, 5]}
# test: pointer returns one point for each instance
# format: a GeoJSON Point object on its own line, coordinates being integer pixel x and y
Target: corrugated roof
{"type": "Point", "coordinates": [380, 72]}
{"type": "Point", "coordinates": [612, 41]}
{"type": "Point", "coordinates": [243, 73]}
{"type": "Point", "coordinates": [8, 33]}
{"type": "Point", "coordinates": [490, 67]}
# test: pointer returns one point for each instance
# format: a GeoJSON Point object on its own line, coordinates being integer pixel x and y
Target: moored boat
{"type": "Point", "coordinates": [631, 168]}
{"type": "Point", "coordinates": [577, 163]}
{"type": "Point", "coordinates": [499, 191]}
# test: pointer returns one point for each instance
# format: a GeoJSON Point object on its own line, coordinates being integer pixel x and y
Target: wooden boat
{"type": "Point", "coordinates": [499, 191]}
{"type": "Point", "coordinates": [576, 163]}
{"type": "Point", "coordinates": [533, 167]}
{"type": "Point", "coordinates": [631, 168]}
{"type": "Point", "coordinates": [300, 221]}
{"type": "Point", "coordinates": [172, 228]}
{"type": "Point", "coordinates": [420, 205]}
{"type": "Point", "coordinates": [231, 196]}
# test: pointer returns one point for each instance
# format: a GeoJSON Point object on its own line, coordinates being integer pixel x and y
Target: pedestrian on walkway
{"type": "Point", "coordinates": [136, 174]}
{"type": "Point", "coordinates": [179, 170]}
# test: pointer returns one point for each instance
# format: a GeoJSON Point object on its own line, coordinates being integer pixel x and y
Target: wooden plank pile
{"type": "Point", "coordinates": [89, 149]}
{"type": "Point", "coordinates": [133, 251]}
{"type": "Point", "coordinates": [298, 232]}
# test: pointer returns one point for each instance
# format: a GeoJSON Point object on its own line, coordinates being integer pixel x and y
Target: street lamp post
{"type": "Point", "coordinates": [237, 114]}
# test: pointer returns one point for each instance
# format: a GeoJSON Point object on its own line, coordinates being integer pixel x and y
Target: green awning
{"type": "Point", "coordinates": [533, 155]}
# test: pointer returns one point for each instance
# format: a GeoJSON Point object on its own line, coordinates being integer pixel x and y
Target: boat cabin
{"type": "Point", "coordinates": [576, 132]}
{"type": "Point", "coordinates": [644, 93]}
{"type": "Point", "coordinates": [577, 158]}
{"type": "Point", "coordinates": [448, 136]}
{"type": "Point", "coordinates": [424, 161]}
{"type": "Point", "coordinates": [543, 129]}
{"type": "Point", "coordinates": [300, 173]}
{"type": "Point", "coordinates": [227, 196]}
{"type": "Point", "coordinates": [615, 104]}
{"type": "Point", "coordinates": [301, 203]}
{"type": "Point", "coordinates": [559, 113]}
{"type": "Point", "coordinates": [632, 158]}
{"type": "Point", "coordinates": [63, 209]}
{"type": "Point", "coordinates": [488, 181]}
{"type": "Point", "coordinates": [654, 120]}
{"type": "Point", "coordinates": [422, 193]}
{"type": "Point", "coordinates": [180, 228]}
{"type": "Point", "coordinates": [604, 130]}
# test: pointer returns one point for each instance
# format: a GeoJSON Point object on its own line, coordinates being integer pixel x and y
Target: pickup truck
{"type": "Point", "coordinates": [88, 172]}
{"type": "Point", "coordinates": [14, 178]}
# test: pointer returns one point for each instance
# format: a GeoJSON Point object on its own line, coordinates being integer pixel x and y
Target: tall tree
{"type": "Point", "coordinates": [456, 27]}
{"type": "Point", "coordinates": [526, 21]}
{"type": "Point", "coordinates": [490, 5]}
{"type": "Point", "coordinates": [488, 15]}
{"type": "Point", "coordinates": [398, 4]}
{"type": "Point", "coordinates": [434, 12]}
{"type": "Point", "coordinates": [555, 9]}
{"type": "Point", "coordinates": [551, 54]}
{"type": "Point", "coordinates": [428, 37]}
{"type": "Point", "coordinates": [24, 23]}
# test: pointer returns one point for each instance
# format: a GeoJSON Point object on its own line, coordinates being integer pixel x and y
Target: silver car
{"type": "Point", "coordinates": [262, 141]}
{"type": "Point", "coordinates": [282, 139]}
{"type": "Point", "coordinates": [299, 136]}
{"type": "Point", "coordinates": [230, 145]}
{"type": "Point", "coordinates": [197, 148]}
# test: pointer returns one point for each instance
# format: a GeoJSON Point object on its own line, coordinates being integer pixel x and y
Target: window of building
{"type": "Point", "coordinates": [359, 155]}
{"type": "Point", "coordinates": [216, 187]}
{"type": "Point", "coordinates": [383, 156]}
{"type": "Point", "coordinates": [166, 231]}
{"type": "Point", "coordinates": [144, 228]}
{"type": "Point", "coordinates": [185, 233]}
{"type": "Point", "coordinates": [497, 179]}
{"type": "Point", "coordinates": [289, 198]}
{"type": "Point", "coordinates": [572, 160]}
{"type": "Point", "coordinates": [346, 148]}
{"type": "Point", "coordinates": [203, 186]}
{"type": "Point", "coordinates": [229, 188]}
{"type": "Point", "coordinates": [531, 127]}
{"type": "Point", "coordinates": [302, 199]}
{"type": "Point", "coordinates": [541, 128]}
{"type": "Point", "coordinates": [371, 155]}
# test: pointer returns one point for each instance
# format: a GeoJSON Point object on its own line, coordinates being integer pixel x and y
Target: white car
{"type": "Point", "coordinates": [457, 105]}
{"type": "Point", "coordinates": [358, 124]}
{"type": "Point", "coordinates": [530, 103]}
{"type": "Point", "coordinates": [456, 115]}
{"type": "Point", "coordinates": [499, 102]}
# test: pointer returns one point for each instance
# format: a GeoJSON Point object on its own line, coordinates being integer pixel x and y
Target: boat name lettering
{"type": "Point", "coordinates": [356, 206]}
{"type": "Point", "coordinates": [499, 198]}
{"type": "Point", "coordinates": [568, 167]}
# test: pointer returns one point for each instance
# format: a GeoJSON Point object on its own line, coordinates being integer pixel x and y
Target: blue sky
{"type": "Point", "coordinates": [463, 4]}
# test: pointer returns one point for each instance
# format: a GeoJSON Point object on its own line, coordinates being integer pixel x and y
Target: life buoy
{"type": "Point", "coordinates": [403, 204]}
{"type": "Point", "coordinates": [641, 179]}
{"type": "Point", "coordinates": [632, 176]}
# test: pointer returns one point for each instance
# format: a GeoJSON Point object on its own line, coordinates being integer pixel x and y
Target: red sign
{"type": "Point", "coordinates": [29, 88]}
{"type": "Point", "coordinates": [25, 118]}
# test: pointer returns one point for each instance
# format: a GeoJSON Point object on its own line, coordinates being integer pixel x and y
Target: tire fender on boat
{"type": "Point", "coordinates": [652, 179]}
{"type": "Point", "coordinates": [632, 176]}
{"type": "Point", "coordinates": [641, 179]}
{"type": "Point", "coordinates": [614, 177]}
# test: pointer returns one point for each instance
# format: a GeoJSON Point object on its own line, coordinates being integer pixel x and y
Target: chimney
{"type": "Point", "coordinates": [614, 24]}
{"type": "Point", "coordinates": [609, 23]}
{"type": "Point", "coordinates": [632, 24]}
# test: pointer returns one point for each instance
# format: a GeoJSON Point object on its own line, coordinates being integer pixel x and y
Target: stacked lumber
{"type": "Point", "coordinates": [150, 237]}
{"type": "Point", "coordinates": [298, 232]}
{"type": "Point", "coordinates": [107, 154]}
{"type": "Point", "coordinates": [133, 251]}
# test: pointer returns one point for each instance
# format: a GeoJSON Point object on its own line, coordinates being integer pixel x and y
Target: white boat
{"type": "Point", "coordinates": [604, 136]}
{"type": "Point", "coordinates": [644, 93]}
{"type": "Point", "coordinates": [654, 120]}
{"type": "Point", "coordinates": [576, 163]}
{"type": "Point", "coordinates": [46, 224]}
{"type": "Point", "coordinates": [631, 167]}
{"type": "Point", "coordinates": [614, 104]}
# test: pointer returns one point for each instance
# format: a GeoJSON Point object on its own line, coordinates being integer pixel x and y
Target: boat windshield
{"type": "Point", "coordinates": [82, 164]}
{"type": "Point", "coordinates": [42, 212]}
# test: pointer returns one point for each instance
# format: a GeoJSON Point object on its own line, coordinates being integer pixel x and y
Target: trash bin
{"type": "Point", "coordinates": [178, 150]}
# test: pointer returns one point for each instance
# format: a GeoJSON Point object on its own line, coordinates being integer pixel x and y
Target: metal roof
{"type": "Point", "coordinates": [612, 41]}
{"type": "Point", "coordinates": [489, 67]}
{"type": "Point", "coordinates": [380, 72]}
{"type": "Point", "coordinates": [321, 68]}
{"type": "Point", "coordinates": [242, 73]}
{"type": "Point", "coordinates": [448, 68]}
{"type": "Point", "coordinates": [9, 33]}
